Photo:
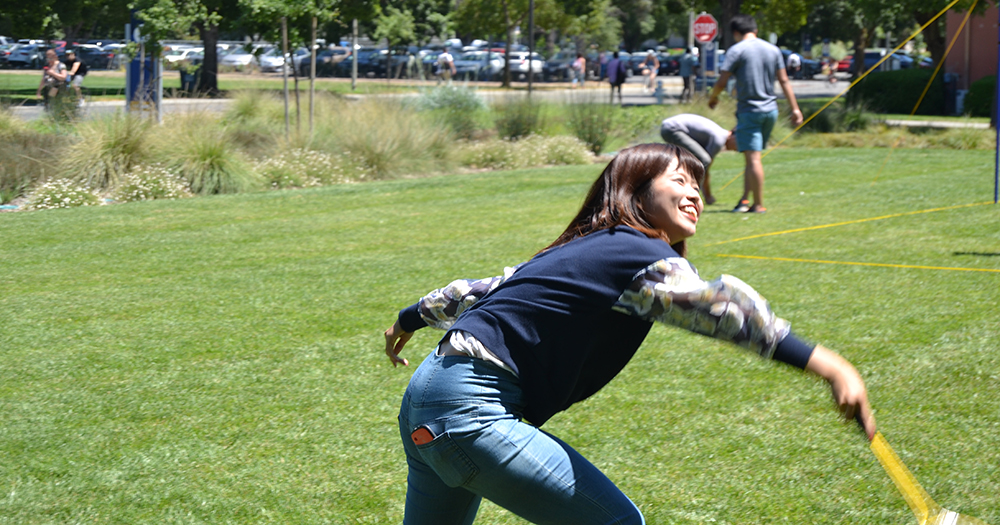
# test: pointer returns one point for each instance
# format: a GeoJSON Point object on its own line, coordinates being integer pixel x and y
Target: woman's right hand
{"type": "Point", "coordinates": [849, 392]}
{"type": "Point", "coordinates": [395, 340]}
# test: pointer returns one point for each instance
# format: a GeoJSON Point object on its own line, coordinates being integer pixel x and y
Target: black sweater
{"type": "Point", "coordinates": [558, 322]}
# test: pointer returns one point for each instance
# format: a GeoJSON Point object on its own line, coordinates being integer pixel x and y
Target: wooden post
{"type": "Point", "coordinates": [284, 70]}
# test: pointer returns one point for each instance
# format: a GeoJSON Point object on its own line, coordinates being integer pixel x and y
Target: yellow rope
{"type": "Point", "coordinates": [879, 63]}
{"type": "Point", "coordinates": [809, 228]}
{"type": "Point", "coordinates": [928, 86]}
{"type": "Point", "coordinates": [848, 263]}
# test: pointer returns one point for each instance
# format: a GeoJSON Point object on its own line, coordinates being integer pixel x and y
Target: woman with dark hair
{"type": "Point", "coordinates": [553, 331]}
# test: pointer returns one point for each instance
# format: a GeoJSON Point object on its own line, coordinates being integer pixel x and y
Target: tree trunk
{"type": "Point", "coordinates": [730, 8]}
{"type": "Point", "coordinates": [860, 44]}
{"type": "Point", "coordinates": [209, 83]}
{"type": "Point", "coordinates": [932, 36]}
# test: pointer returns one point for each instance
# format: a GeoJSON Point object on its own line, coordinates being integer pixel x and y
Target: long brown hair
{"type": "Point", "coordinates": [614, 198]}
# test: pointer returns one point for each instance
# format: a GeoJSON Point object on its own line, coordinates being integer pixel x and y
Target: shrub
{"type": "Point", "coordinates": [148, 183]}
{"type": "Point", "coordinates": [898, 92]}
{"type": "Point", "coordinates": [61, 193]}
{"type": "Point", "coordinates": [197, 147]}
{"type": "Point", "coordinates": [384, 138]}
{"type": "Point", "coordinates": [979, 99]}
{"type": "Point", "coordinates": [302, 168]}
{"type": "Point", "coordinates": [108, 148]}
{"type": "Point", "coordinates": [459, 108]}
{"type": "Point", "coordinates": [593, 123]}
{"type": "Point", "coordinates": [516, 118]}
{"type": "Point", "coordinates": [27, 157]}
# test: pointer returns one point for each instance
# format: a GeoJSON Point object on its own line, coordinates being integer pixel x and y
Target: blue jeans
{"type": "Point", "coordinates": [482, 449]}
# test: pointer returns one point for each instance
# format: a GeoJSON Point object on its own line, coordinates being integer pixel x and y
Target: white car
{"type": "Point", "coordinates": [239, 58]}
{"type": "Point", "coordinates": [272, 60]}
{"type": "Point", "coordinates": [180, 54]}
{"type": "Point", "coordinates": [519, 63]}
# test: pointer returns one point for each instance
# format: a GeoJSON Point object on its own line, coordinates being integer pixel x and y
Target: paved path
{"type": "Point", "coordinates": [632, 95]}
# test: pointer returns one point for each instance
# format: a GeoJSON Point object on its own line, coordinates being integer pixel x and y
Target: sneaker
{"type": "Point", "coordinates": [757, 208]}
{"type": "Point", "coordinates": [742, 207]}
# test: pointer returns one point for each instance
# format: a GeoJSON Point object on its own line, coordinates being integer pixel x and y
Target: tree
{"type": "Point", "coordinates": [395, 26]}
{"type": "Point", "coordinates": [480, 17]}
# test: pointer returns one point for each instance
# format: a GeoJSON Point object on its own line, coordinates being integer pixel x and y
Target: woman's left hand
{"type": "Point", "coordinates": [395, 340]}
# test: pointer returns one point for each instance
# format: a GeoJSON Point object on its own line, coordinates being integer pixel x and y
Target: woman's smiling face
{"type": "Point", "coordinates": [673, 203]}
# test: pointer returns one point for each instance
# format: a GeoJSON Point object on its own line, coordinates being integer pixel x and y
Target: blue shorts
{"type": "Point", "coordinates": [753, 130]}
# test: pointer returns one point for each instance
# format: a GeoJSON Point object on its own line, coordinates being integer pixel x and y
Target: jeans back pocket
{"type": "Point", "coordinates": [448, 460]}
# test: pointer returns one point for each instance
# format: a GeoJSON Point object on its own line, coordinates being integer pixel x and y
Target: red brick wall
{"type": "Point", "coordinates": [974, 55]}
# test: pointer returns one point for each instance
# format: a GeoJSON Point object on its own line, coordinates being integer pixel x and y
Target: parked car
{"type": "Point", "coordinates": [177, 55]}
{"type": "Point", "coordinates": [519, 64]}
{"type": "Point", "coordinates": [94, 56]}
{"type": "Point", "coordinates": [557, 67]}
{"type": "Point", "coordinates": [479, 65]}
{"type": "Point", "coordinates": [326, 61]}
{"type": "Point", "coordinates": [370, 64]}
{"type": "Point", "coordinates": [240, 58]}
{"type": "Point", "coordinates": [669, 64]}
{"type": "Point", "coordinates": [5, 51]}
{"type": "Point", "coordinates": [271, 60]}
{"type": "Point", "coordinates": [897, 61]}
{"type": "Point", "coordinates": [28, 56]}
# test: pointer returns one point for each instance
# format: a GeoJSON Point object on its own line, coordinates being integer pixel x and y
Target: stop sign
{"type": "Point", "coordinates": [705, 28]}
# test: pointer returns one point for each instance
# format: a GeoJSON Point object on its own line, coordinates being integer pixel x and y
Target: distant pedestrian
{"type": "Point", "coordinates": [794, 65]}
{"type": "Point", "coordinates": [579, 68]}
{"type": "Point", "coordinates": [602, 59]}
{"type": "Point", "coordinates": [702, 137]}
{"type": "Point", "coordinates": [77, 70]}
{"type": "Point", "coordinates": [688, 65]}
{"type": "Point", "coordinates": [756, 64]}
{"type": "Point", "coordinates": [446, 66]}
{"type": "Point", "coordinates": [616, 76]}
{"type": "Point", "coordinates": [53, 79]}
{"type": "Point", "coordinates": [650, 67]}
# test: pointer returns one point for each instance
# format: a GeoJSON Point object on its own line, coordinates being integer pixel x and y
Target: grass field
{"type": "Point", "coordinates": [219, 359]}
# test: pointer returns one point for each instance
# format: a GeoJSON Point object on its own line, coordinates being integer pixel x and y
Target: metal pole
{"type": "Point", "coordinates": [142, 77]}
{"type": "Point", "coordinates": [159, 90]}
{"type": "Point", "coordinates": [690, 30]}
{"type": "Point", "coordinates": [354, 54]}
{"type": "Point", "coordinates": [284, 69]}
{"type": "Point", "coordinates": [531, 43]}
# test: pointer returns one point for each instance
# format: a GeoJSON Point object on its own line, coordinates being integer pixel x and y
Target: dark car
{"type": "Point", "coordinates": [371, 64]}
{"type": "Point", "coordinates": [94, 57]}
{"type": "Point", "coordinates": [557, 68]}
{"type": "Point", "coordinates": [669, 64]}
{"type": "Point", "coordinates": [326, 62]}
{"type": "Point", "coordinates": [897, 61]}
{"type": "Point", "coordinates": [635, 63]}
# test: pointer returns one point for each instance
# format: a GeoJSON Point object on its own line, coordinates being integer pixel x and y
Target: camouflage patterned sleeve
{"type": "Point", "coordinates": [441, 307]}
{"type": "Point", "coordinates": [671, 292]}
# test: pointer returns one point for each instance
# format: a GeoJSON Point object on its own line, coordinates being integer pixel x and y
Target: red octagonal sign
{"type": "Point", "coordinates": [705, 28]}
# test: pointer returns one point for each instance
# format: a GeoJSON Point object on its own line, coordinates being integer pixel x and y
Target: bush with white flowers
{"type": "Point", "coordinates": [531, 151]}
{"type": "Point", "coordinates": [150, 182]}
{"type": "Point", "coordinates": [61, 193]}
{"type": "Point", "coordinates": [305, 168]}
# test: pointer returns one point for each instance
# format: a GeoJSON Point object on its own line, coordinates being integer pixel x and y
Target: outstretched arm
{"type": "Point", "coordinates": [439, 309]}
{"type": "Point", "coordinates": [670, 291]}
{"type": "Point", "coordinates": [720, 84]}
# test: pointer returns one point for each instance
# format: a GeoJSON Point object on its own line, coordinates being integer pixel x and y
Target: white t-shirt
{"type": "Point", "coordinates": [445, 60]}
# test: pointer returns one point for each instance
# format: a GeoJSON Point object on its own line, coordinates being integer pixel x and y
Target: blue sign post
{"type": "Point", "coordinates": [996, 124]}
{"type": "Point", "coordinates": [142, 76]}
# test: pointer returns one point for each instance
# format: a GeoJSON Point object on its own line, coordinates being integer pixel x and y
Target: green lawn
{"type": "Point", "coordinates": [219, 359]}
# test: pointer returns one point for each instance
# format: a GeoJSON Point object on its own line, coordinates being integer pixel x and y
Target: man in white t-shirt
{"type": "Point", "coordinates": [794, 65]}
{"type": "Point", "coordinates": [446, 66]}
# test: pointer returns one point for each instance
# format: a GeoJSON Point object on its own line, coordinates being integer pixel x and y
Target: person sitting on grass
{"type": "Point", "coordinates": [702, 137]}
{"type": "Point", "coordinates": [553, 331]}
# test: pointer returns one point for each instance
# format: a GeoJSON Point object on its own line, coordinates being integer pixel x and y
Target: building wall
{"type": "Point", "coordinates": [975, 53]}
